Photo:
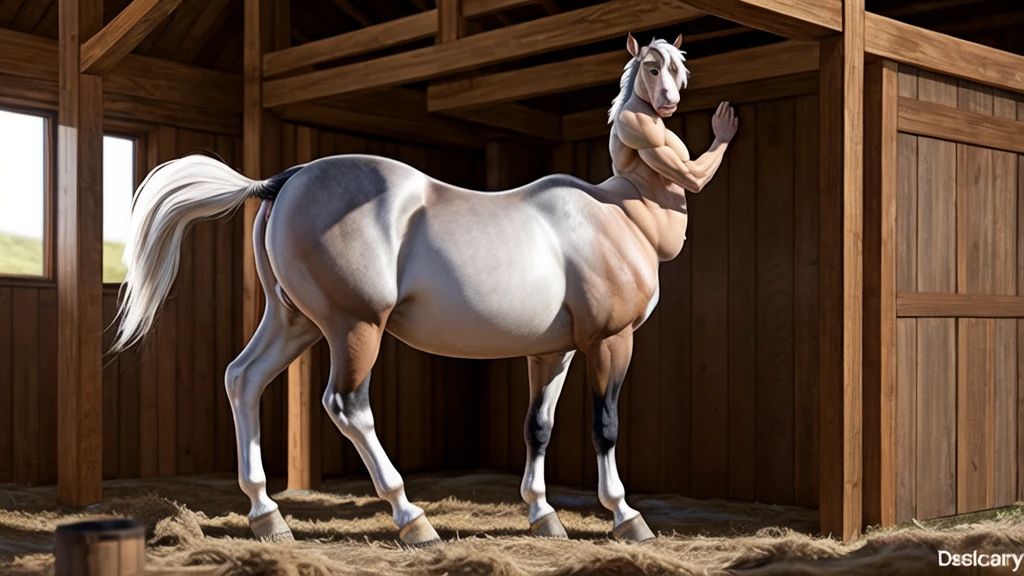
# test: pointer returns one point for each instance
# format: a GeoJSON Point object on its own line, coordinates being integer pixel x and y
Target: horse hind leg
{"type": "Point", "coordinates": [354, 347]}
{"type": "Point", "coordinates": [279, 339]}
{"type": "Point", "coordinates": [547, 375]}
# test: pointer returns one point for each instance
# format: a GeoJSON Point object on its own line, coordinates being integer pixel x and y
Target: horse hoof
{"type": "Point", "coordinates": [419, 533]}
{"type": "Point", "coordinates": [548, 526]}
{"type": "Point", "coordinates": [633, 530]}
{"type": "Point", "coordinates": [271, 527]}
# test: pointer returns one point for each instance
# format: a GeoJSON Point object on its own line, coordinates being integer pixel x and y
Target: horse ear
{"type": "Point", "coordinates": [631, 45]}
{"type": "Point", "coordinates": [679, 41]}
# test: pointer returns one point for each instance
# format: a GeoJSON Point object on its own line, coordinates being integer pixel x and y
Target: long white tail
{"type": "Point", "coordinates": [173, 196]}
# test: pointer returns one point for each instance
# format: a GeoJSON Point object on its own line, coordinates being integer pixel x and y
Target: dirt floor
{"type": "Point", "coordinates": [344, 529]}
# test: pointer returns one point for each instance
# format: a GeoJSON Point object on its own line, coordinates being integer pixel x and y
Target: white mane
{"type": "Point", "coordinates": [628, 80]}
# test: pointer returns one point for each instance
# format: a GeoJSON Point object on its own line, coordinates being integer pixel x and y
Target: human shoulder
{"type": "Point", "coordinates": [639, 131]}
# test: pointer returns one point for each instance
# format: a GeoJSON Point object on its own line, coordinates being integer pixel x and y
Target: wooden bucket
{"type": "Point", "coordinates": [107, 547]}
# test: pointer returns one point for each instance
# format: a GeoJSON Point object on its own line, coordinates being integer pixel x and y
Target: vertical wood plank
{"type": "Point", "coordinates": [25, 369]}
{"type": "Point", "coordinates": [976, 267]}
{"type": "Point", "coordinates": [6, 386]}
{"type": "Point", "coordinates": [79, 260]}
{"type": "Point", "coordinates": [709, 247]}
{"type": "Point", "coordinates": [774, 418]}
{"type": "Point", "coordinates": [743, 305]}
{"type": "Point", "coordinates": [1020, 322]}
{"type": "Point", "coordinates": [805, 298]}
{"type": "Point", "coordinates": [936, 338]}
{"type": "Point", "coordinates": [128, 368]}
{"type": "Point", "coordinates": [906, 328]}
{"type": "Point", "coordinates": [1003, 405]}
{"type": "Point", "coordinates": [47, 395]}
{"type": "Point", "coordinates": [111, 411]}
{"type": "Point", "coordinates": [880, 135]}
{"type": "Point", "coordinates": [841, 269]}
{"type": "Point", "coordinates": [450, 23]}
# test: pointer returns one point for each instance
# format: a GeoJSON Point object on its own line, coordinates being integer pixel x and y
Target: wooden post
{"type": "Point", "coordinates": [450, 23]}
{"type": "Point", "coordinates": [881, 100]}
{"type": "Point", "coordinates": [841, 288]}
{"type": "Point", "coordinates": [79, 261]}
{"type": "Point", "coordinates": [107, 547]}
{"type": "Point", "coordinates": [254, 44]}
{"type": "Point", "coordinates": [304, 385]}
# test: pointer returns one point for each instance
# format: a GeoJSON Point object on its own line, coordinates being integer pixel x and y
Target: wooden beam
{"type": "Point", "coordinates": [371, 39]}
{"type": "Point", "coordinates": [927, 305]}
{"type": "Point", "coordinates": [841, 276]}
{"type": "Point", "coordinates": [594, 123]}
{"type": "Point", "coordinates": [374, 38]}
{"type": "Point", "coordinates": [123, 34]}
{"type": "Point", "coordinates": [430, 130]}
{"type": "Point", "coordinates": [881, 94]}
{"type": "Point", "coordinates": [79, 262]}
{"type": "Point", "coordinates": [887, 38]}
{"type": "Point", "coordinates": [565, 30]}
{"type": "Point", "coordinates": [450, 23]}
{"type": "Point", "coordinates": [958, 125]}
{"type": "Point", "coordinates": [788, 18]}
{"type": "Point", "coordinates": [134, 76]}
{"type": "Point", "coordinates": [517, 118]}
{"type": "Point", "coordinates": [751, 64]}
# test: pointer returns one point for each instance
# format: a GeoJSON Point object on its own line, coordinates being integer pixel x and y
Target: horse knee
{"type": "Point", "coordinates": [235, 382]}
{"type": "Point", "coordinates": [606, 424]}
{"type": "Point", "coordinates": [538, 431]}
{"type": "Point", "coordinates": [350, 410]}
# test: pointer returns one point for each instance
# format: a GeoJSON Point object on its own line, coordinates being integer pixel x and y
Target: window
{"type": "Point", "coordinates": [118, 187]}
{"type": "Point", "coordinates": [22, 194]}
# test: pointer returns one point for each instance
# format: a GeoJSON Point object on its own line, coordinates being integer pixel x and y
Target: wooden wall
{"type": "Point", "coordinates": [958, 396]}
{"type": "Point", "coordinates": [721, 397]}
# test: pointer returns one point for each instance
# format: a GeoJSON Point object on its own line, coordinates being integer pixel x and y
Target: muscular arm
{"type": "Point", "coordinates": [666, 154]}
{"type": "Point", "coordinates": [692, 175]}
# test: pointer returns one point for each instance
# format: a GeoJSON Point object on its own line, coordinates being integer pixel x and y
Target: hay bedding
{"type": "Point", "coordinates": [200, 521]}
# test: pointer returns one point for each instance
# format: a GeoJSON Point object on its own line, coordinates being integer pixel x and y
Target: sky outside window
{"type": "Point", "coordinates": [22, 193]}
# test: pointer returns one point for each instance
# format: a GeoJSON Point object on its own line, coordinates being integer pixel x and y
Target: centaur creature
{"type": "Point", "coordinates": [348, 247]}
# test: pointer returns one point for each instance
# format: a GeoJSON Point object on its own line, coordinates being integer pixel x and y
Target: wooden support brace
{"type": "Point", "coordinates": [880, 171]}
{"type": "Point", "coordinates": [123, 34]}
{"type": "Point", "coordinates": [450, 23]}
{"type": "Point", "coordinates": [841, 275]}
{"type": "Point", "coordinates": [79, 262]}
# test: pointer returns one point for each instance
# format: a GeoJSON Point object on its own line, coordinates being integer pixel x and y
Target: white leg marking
{"type": "Point", "coordinates": [610, 491]}
{"type": "Point", "coordinates": [547, 375]}
{"type": "Point", "coordinates": [352, 415]}
{"type": "Point", "coordinates": [274, 345]}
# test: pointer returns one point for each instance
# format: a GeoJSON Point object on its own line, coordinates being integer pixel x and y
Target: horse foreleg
{"type": "Point", "coordinates": [547, 374]}
{"type": "Point", "coordinates": [279, 339]}
{"type": "Point", "coordinates": [607, 362]}
{"type": "Point", "coordinates": [354, 349]}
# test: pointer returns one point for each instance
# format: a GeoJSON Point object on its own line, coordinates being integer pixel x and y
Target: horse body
{"type": "Point", "coordinates": [540, 269]}
{"type": "Point", "coordinates": [348, 247]}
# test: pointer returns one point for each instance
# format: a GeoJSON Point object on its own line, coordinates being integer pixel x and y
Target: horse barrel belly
{"type": "Point", "coordinates": [482, 282]}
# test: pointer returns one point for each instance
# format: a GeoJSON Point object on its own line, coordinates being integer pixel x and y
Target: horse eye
{"type": "Point", "coordinates": [654, 71]}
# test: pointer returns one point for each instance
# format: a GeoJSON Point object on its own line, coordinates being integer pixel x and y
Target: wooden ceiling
{"type": "Point", "coordinates": [208, 33]}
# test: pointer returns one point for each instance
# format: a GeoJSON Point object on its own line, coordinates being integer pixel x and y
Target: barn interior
{"type": "Point", "coordinates": [734, 391]}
